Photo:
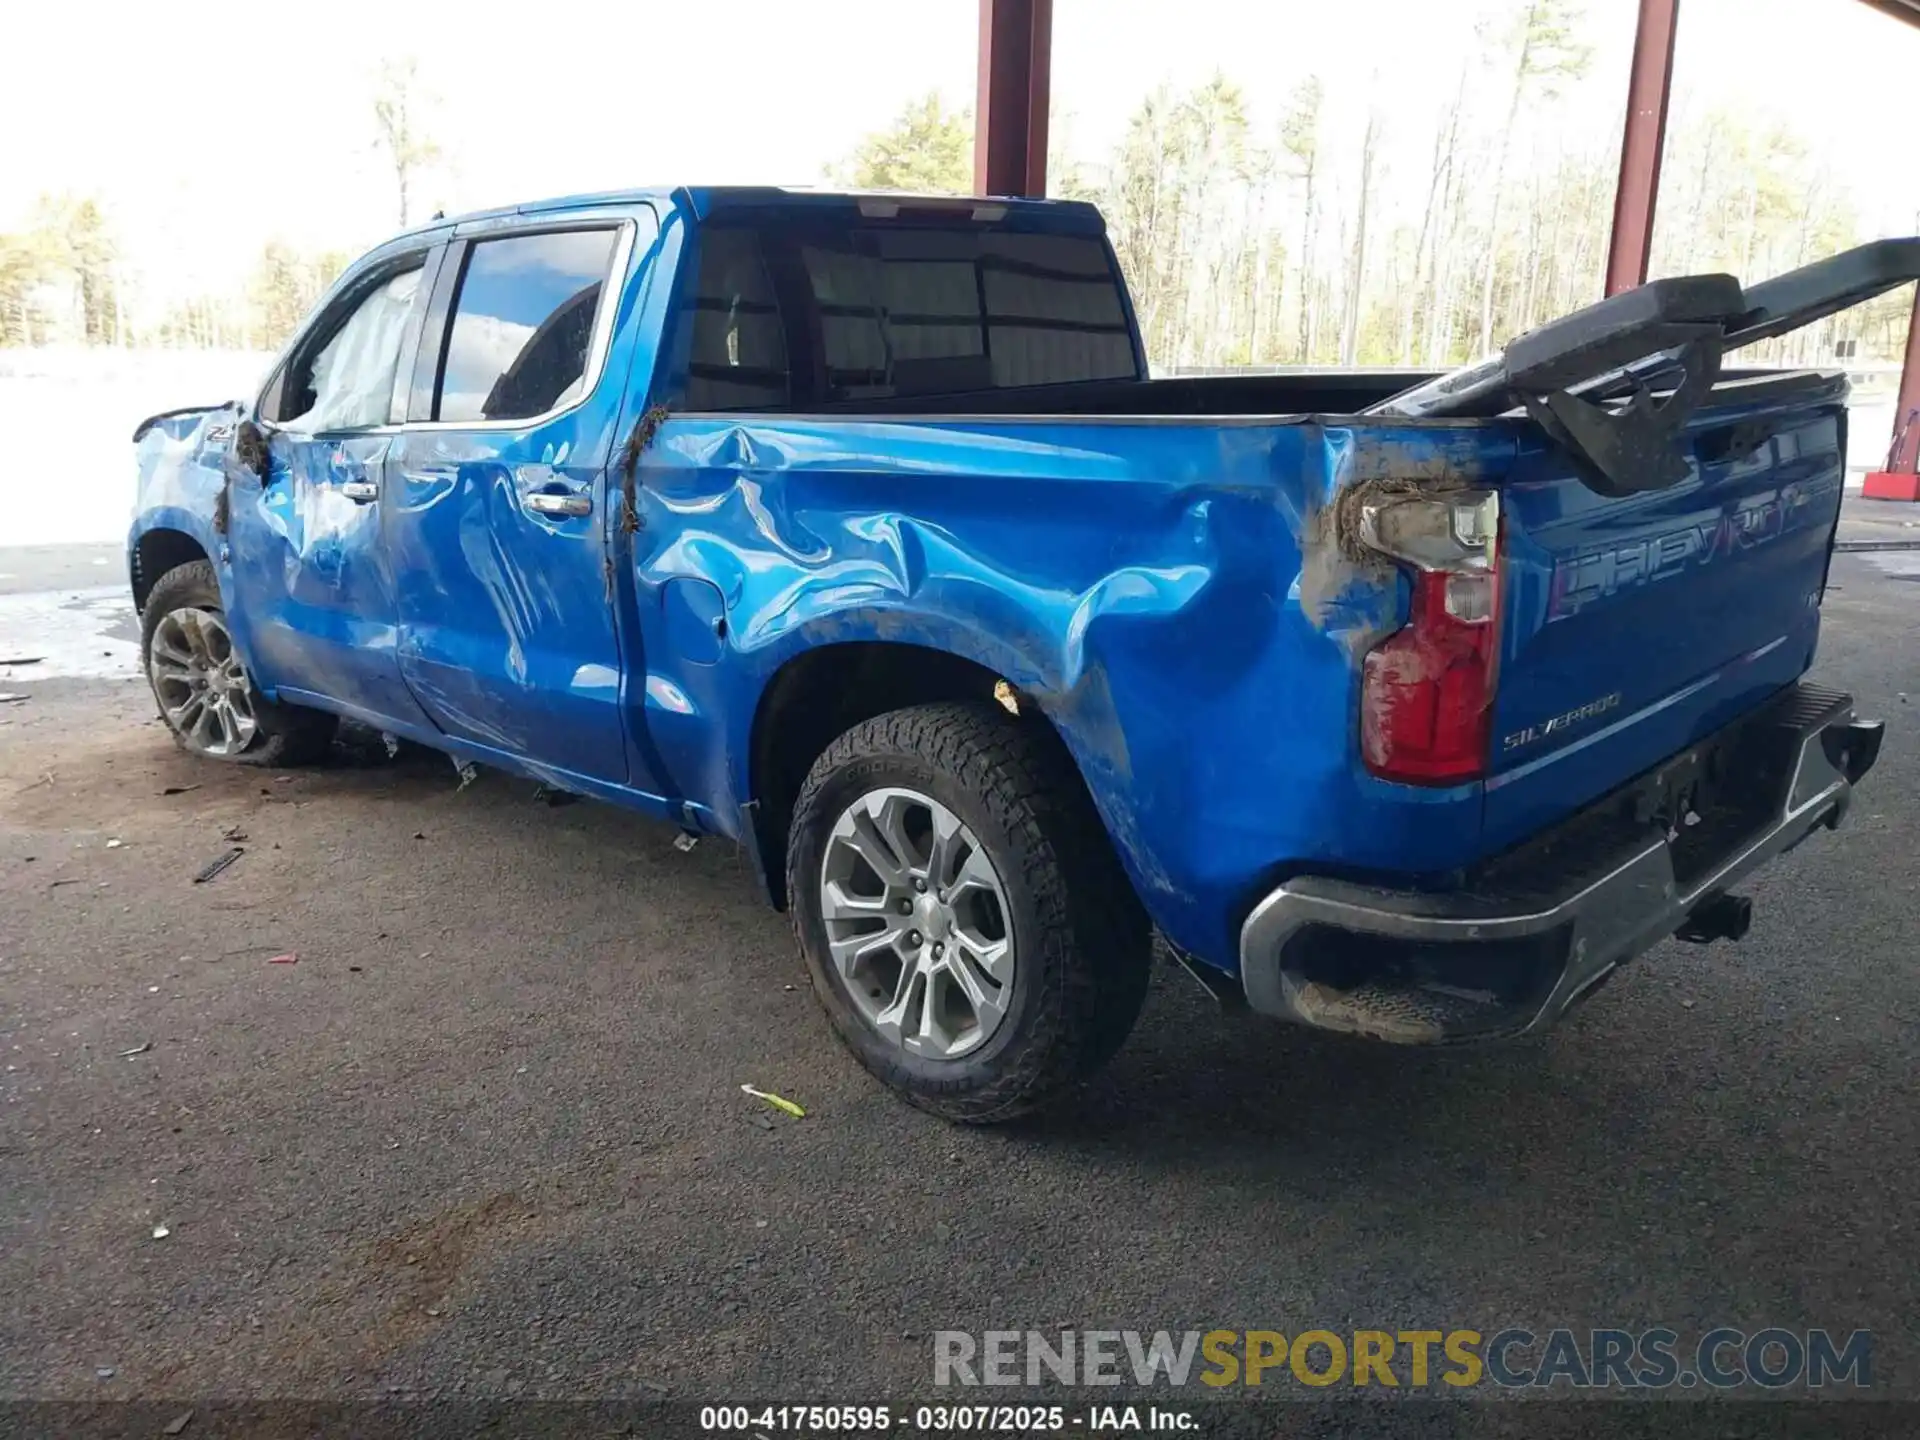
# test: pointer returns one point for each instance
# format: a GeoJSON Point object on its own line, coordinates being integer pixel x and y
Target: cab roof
{"type": "Point", "coordinates": [703, 201]}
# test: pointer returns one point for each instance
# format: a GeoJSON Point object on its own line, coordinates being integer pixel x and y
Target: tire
{"type": "Point", "coordinates": [256, 731]}
{"type": "Point", "coordinates": [1080, 941]}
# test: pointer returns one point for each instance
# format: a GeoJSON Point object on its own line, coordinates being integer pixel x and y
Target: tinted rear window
{"type": "Point", "coordinates": [790, 316]}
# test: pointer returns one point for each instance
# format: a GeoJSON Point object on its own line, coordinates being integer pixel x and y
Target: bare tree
{"type": "Point", "coordinates": [1542, 38]}
{"type": "Point", "coordinates": [401, 109]}
{"type": "Point", "coordinates": [1357, 266]}
{"type": "Point", "coordinates": [1300, 138]}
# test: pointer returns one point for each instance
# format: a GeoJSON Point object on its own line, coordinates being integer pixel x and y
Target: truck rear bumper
{"type": "Point", "coordinates": [1534, 931]}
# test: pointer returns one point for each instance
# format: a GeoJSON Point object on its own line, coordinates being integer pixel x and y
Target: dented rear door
{"type": "Point", "coordinates": [501, 518]}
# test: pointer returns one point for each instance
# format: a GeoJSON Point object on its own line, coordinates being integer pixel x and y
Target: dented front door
{"type": "Point", "coordinates": [315, 605]}
{"type": "Point", "coordinates": [311, 577]}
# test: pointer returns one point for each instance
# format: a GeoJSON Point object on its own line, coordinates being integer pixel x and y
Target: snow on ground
{"type": "Point", "coordinates": [69, 416]}
{"type": "Point", "coordinates": [86, 634]}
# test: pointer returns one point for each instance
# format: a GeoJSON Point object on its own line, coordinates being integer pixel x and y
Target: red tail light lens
{"type": "Point", "coordinates": [1426, 691]}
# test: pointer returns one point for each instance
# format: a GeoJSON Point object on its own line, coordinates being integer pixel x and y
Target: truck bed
{"type": "Point", "coordinates": [1290, 393]}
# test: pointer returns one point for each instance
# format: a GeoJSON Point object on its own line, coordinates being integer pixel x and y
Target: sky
{"type": "Point", "coordinates": [214, 126]}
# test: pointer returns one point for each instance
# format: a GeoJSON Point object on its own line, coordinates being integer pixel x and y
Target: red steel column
{"type": "Point", "coordinates": [1010, 109]}
{"type": "Point", "coordinates": [1898, 481]}
{"type": "Point", "coordinates": [1648, 90]}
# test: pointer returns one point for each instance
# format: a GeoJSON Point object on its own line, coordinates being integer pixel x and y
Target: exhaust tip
{"type": "Point", "coordinates": [1720, 917]}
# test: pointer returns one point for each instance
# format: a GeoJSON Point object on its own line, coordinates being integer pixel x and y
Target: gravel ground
{"type": "Point", "coordinates": [486, 1137]}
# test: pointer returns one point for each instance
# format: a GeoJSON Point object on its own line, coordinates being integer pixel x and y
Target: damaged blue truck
{"type": "Point", "coordinates": [854, 529]}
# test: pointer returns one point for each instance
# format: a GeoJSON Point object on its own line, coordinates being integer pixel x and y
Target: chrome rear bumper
{"type": "Point", "coordinates": [1536, 930]}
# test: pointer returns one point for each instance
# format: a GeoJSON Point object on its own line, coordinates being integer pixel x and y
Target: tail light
{"type": "Point", "coordinates": [1426, 691]}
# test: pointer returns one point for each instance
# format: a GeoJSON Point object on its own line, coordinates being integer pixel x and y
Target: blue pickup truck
{"type": "Point", "coordinates": [853, 529]}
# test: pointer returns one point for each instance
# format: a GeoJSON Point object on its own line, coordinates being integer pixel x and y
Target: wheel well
{"type": "Point", "coordinates": [819, 696]}
{"type": "Point", "coordinates": [157, 552]}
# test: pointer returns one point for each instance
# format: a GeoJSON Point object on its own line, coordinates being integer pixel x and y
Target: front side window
{"type": "Point", "coordinates": [523, 325]}
{"type": "Point", "coordinates": [347, 384]}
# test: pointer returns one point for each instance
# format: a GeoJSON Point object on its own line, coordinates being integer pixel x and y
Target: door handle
{"type": "Point", "coordinates": [543, 502]}
{"type": "Point", "coordinates": [360, 491]}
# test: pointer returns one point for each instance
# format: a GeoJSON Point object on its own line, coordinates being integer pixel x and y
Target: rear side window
{"type": "Point", "coordinates": [873, 312]}
{"type": "Point", "coordinates": [523, 325]}
{"type": "Point", "coordinates": [736, 345]}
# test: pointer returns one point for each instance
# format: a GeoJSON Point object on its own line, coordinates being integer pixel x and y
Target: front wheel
{"type": "Point", "coordinates": [205, 697]}
{"type": "Point", "coordinates": [963, 917]}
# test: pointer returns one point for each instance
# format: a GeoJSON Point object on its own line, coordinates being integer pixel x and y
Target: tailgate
{"type": "Point", "coordinates": [1633, 625]}
{"type": "Point", "coordinates": [1662, 545]}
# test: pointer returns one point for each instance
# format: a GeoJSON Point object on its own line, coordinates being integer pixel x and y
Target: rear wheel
{"type": "Point", "coordinates": [963, 917]}
{"type": "Point", "coordinates": [209, 704]}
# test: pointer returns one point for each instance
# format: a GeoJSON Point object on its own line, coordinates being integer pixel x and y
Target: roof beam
{"type": "Point", "coordinates": [1010, 110]}
{"type": "Point", "coordinates": [1906, 10]}
{"type": "Point", "coordinates": [1649, 87]}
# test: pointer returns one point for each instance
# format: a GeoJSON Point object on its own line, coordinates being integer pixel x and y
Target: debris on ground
{"type": "Point", "coordinates": [177, 1423]}
{"type": "Point", "coordinates": [142, 1048]}
{"type": "Point", "coordinates": [115, 844]}
{"type": "Point", "coordinates": [178, 789]}
{"type": "Point", "coordinates": [11, 697]}
{"type": "Point", "coordinates": [287, 959]}
{"type": "Point", "coordinates": [214, 866]}
{"type": "Point", "coordinates": [103, 1372]}
{"type": "Point", "coordinates": [56, 884]}
{"type": "Point", "coordinates": [684, 842]}
{"type": "Point", "coordinates": [762, 1121]}
{"type": "Point", "coordinates": [22, 660]}
{"type": "Point", "coordinates": [468, 773]}
{"type": "Point", "coordinates": [392, 742]}
{"type": "Point", "coordinates": [160, 1232]}
{"type": "Point", "coordinates": [233, 832]}
{"type": "Point", "coordinates": [554, 797]}
{"type": "Point", "coordinates": [779, 1102]}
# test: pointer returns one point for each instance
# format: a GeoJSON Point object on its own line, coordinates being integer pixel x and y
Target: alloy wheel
{"type": "Point", "coordinates": [918, 923]}
{"type": "Point", "coordinates": [199, 680]}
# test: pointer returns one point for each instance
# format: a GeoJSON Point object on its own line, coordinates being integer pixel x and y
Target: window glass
{"type": "Point", "coordinates": [523, 324]}
{"type": "Point", "coordinates": [348, 383]}
{"type": "Point", "coordinates": [902, 310]}
{"type": "Point", "coordinates": [736, 351]}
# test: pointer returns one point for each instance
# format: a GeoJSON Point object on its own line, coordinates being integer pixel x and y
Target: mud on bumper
{"type": "Point", "coordinates": [1534, 931]}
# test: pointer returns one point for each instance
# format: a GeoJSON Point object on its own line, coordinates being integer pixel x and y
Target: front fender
{"type": "Point", "coordinates": [185, 467]}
